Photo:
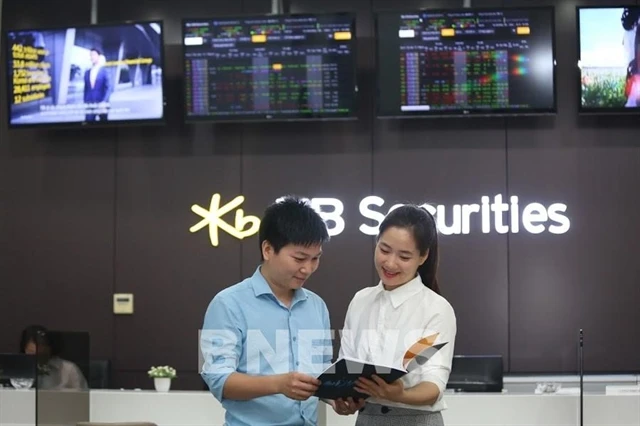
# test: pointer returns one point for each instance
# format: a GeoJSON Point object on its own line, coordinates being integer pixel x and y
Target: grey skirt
{"type": "Point", "coordinates": [380, 415]}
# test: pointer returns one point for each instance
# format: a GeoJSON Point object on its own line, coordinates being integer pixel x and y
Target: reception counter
{"type": "Point", "coordinates": [184, 408]}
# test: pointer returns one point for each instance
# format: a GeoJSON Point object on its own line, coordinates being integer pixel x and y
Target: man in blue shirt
{"type": "Point", "coordinates": [265, 339]}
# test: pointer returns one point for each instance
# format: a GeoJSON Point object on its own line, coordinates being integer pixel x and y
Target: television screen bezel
{"type": "Point", "coordinates": [464, 112]}
{"type": "Point", "coordinates": [353, 115]}
{"type": "Point", "coordinates": [84, 124]}
{"type": "Point", "coordinates": [596, 111]}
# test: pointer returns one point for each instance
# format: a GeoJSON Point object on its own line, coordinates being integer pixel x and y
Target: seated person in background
{"type": "Point", "coordinates": [53, 371]}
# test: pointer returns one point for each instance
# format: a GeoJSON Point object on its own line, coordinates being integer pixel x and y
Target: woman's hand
{"type": "Point", "coordinates": [346, 407]}
{"type": "Point", "coordinates": [380, 389]}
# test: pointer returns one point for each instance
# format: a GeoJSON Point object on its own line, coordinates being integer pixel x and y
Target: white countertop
{"type": "Point", "coordinates": [195, 408]}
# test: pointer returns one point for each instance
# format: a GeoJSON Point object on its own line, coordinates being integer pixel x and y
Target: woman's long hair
{"type": "Point", "coordinates": [422, 225]}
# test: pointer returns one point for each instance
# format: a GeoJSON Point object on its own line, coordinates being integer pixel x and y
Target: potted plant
{"type": "Point", "coordinates": [162, 377]}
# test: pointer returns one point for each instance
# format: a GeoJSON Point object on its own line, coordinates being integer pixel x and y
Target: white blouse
{"type": "Point", "coordinates": [381, 325]}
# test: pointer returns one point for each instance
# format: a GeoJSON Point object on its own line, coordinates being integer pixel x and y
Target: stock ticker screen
{"type": "Point", "coordinates": [270, 67]}
{"type": "Point", "coordinates": [443, 62]}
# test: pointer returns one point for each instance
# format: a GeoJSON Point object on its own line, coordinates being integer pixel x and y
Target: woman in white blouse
{"type": "Point", "coordinates": [54, 372]}
{"type": "Point", "coordinates": [383, 321]}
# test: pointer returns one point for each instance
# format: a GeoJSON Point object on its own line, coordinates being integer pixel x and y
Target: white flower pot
{"type": "Point", "coordinates": [162, 384]}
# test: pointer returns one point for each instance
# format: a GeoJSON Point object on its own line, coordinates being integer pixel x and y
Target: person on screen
{"type": "Point", "coordinates": [53, 372]}
{"type": "Point", "coordinates": [262, 339]}
{"type": "Point", "coordinates": [97, 88]}
{"type": "Point", "coordinates": [632, 85]}
{"type": "Point", "coordinates": [629, 20]}
{"type": "Point", "coordinates": [405, 305]}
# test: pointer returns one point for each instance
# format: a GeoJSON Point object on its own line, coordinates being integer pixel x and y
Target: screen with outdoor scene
{"type": "Point", "coordinates": [270, 67]}
{"type": "Point", "coordinates": [94, 75]}
{"type": "Point", "coordinates": [465, 61]}
{"type": "Point", "coordinates": [609, 59]}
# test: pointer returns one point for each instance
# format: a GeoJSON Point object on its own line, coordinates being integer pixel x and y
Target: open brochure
{"type": "Point", "coordinates": [339, 379]}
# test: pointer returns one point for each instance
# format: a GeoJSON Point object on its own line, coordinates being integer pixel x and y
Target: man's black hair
{"type": "Point", "coordinates": [292, 220]}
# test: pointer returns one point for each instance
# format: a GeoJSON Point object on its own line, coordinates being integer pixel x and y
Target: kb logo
{"type": "Point", "coordinates": [244, 226]}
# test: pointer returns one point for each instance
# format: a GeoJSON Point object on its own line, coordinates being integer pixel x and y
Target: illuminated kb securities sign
{"type": "Point", "coordinates": [494, 215]}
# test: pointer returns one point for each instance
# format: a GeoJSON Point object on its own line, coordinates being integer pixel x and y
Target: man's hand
{"type": "Point", "coordinates": [348, 406]}
{"type": "Point", "coordinates": [297, 386]}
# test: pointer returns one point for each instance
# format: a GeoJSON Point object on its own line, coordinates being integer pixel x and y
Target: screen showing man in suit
{"type": "Point", "coordinates": [97, 88]}
{"type": "Point", "coordinates": [90, 75]}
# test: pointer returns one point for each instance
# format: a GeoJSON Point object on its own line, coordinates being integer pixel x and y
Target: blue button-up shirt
{"type": "Point", "coordinates": [247, 330]}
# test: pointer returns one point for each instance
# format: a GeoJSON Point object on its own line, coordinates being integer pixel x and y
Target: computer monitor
{"type": "Point", "coordinates": [270, 67]}
{"type": "Point", "coordinates": [608, 59]}
{"type": "Point", "coordinates": [476, 373]}
{"type": "Point", "coordinates": [90, 75]}
{"type": "Point", "coordinates": [17, 366]}
{"type": "Point", "coordinates": [458, 62]}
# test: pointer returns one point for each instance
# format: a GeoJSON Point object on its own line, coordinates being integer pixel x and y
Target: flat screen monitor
{"type": "Point", "coordinates": [466, 62]}
{"type": "Point", "coordinates": [274, 67]}
{"type": "Point", "coordinates": [16, 368]}
{"type": "Point", "coordinates": [609, 59]}
{"type": "Point", "coordinates": [476, 373]}
{"type": "Point", "coordinates": [89, 75]}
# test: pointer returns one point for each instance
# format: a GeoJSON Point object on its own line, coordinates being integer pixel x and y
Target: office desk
{"type": "Point", "coordinates": [18, 407]}
{"type": "Point", "coordinates": [178, 408]}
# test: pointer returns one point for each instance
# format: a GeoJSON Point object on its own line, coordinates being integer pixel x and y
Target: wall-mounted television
{"type": "Point", "coordinates": [609, 59]}
{"type": "Point", "coordinates": [270, 67]}
{"type": "Point", "coordinates": [466, 62]}
{"type": "Point", "coordinates": [92, 75]}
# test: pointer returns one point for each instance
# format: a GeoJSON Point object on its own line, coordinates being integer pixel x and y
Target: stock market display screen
{"type": "Point", "coordinates": [270, 67]}
{"type": "Point", "coordinates": [466, 61]}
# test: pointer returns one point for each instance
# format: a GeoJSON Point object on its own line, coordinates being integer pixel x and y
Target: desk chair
{"type": "Point", "coordinates": [99, 374]}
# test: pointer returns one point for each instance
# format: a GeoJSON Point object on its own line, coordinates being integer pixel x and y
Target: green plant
{"type": "Point", "coordinates": [603, 90]}
{"type": "Point", "coordinates": [162, 372]}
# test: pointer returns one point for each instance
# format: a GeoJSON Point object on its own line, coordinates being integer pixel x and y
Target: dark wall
{"type": "Point", "coordinates": [87, 213]}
